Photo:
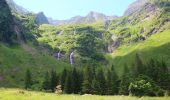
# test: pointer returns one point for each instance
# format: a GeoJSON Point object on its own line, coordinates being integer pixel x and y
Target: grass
{"type": "Point", "coordinates": [156, 47]}
{"type": "Point", "coordinates": [14, 61]}
{"type": "Point", "coordinates": [18, 94]}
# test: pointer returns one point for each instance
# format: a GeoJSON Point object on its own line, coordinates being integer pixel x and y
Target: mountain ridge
{"type": "Point", "coordinates": [91, 17]}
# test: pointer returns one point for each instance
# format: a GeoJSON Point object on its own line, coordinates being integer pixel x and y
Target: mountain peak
{"type": "Point", "coordinates": [135, 6]}
{"type": "Point", "coordinates": [91, 17]}
{"type": "Point", "coordinates": [41, 18]}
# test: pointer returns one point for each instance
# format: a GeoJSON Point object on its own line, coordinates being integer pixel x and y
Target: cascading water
{"type": "Point", "coordinates": [72, 58]}
{"type": "Point", "coordinates": [58, 55]}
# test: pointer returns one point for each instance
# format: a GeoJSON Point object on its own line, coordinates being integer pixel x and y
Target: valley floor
{"type": "Point", "coordinates": [18, 94]}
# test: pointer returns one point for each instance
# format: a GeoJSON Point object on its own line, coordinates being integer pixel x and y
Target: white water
{"type": "Point", "coordinates": [58, 55]}
{"type": "Point", "coordinates": [72, 58]}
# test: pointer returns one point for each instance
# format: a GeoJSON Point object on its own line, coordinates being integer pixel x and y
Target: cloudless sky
{"type": "Point", "coordinates": [64, 9]}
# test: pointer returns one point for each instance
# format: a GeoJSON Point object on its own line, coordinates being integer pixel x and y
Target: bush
{"type": "Point", "coordinates": [144, 86]}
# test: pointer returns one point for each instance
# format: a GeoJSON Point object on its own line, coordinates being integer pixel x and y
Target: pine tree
{"type": "Point", "coordinates": [109, 82]}
{"type": "Point", "coordinates": [68, 84]}
{"type": "Point", "coordinates": [139, 65]}
{"type": "Point", "coordinates": [114, 81]}
{"type": "Point", "coordinates": [76, 81]}
{"type": "Point", "coordinates": [87, 82]}
{"type": "Point", "coordinates": [101, 82]}
{"type": "Point", "coordinates": [46, 82]}
{"type": "Point", "coordinates": [63, 78]}
{"type": "Point", "coordinates": [53, 80]}
{"type": "Point", "coordinates": [163, 77]}
{"type": "Point", "coordinates": [95, 86]}
{"type": "Point", "coordinates": [125, 81]}
{"type": "Point", "coordinates": [28, 79]}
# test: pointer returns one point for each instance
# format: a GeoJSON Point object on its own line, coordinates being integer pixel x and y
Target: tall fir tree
{"type": "Point", "coordinates": [101, 82]}
{"type": "Point", "coordinates": [63, 78]}
{"type": "Point", "coordinates": [87, 82]}
{"type": "Point", "coordinates": [68, 87]}
{"type": "Point", "coordinates": [28, 79]}
{"type": "Point", "coordinates": [46, 82]}
{"type": "Point", "coordinates": [53, 80]}
{"type": "Point", "coordinates": [114, 81]}
{"type": "Point", "coordinates": [139, 66]}
{"type": "Point", "coordinates": [125, 81]}
{"type": "Point", "coordinates": [163, 77]}
{"type": "Point", "coordinates": [76, 81]}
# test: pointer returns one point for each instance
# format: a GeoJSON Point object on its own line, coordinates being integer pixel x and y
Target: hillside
{"type": "Point", "coordinates": [20, 51]}
{"type": "Point", "coordinates": [135, 30]}
{"type": "Point", "coordinates": [94, 54]}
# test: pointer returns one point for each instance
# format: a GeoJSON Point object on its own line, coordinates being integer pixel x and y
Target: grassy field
{"type": "Point", "coordinates": [17, 94]}
{"type": "Point", "coordinates": [14, 61]}
{"type": "Point", "coordinates": [156, 47]}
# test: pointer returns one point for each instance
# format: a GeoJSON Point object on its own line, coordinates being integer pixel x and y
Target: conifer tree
{"type": "Point", "coordinates": [28, 79]}
{"type": "Point", "coordinates": [87, 82]}
{"type": "Point", "coordinates": [125, 81]}
{"type": "Point", "coordinates": [76, 82]}
{"type": "Point", "coordinates": [139, 66]}
{"type": "Point", "coordinates": [114, 81]}
{"type": "Point", "coordinates": [53, 80]}
{"type": "Point", "coordinates": [63, 78]}
{"type": "Point", "coordinates": [68, 83]}
{"type": "Point", "coordinates": [46, 82]}
{"type": "Point", "coordinates": [101, 82]}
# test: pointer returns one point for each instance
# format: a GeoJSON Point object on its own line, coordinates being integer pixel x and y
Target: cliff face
{"type": "Point", "coordinates": [6, 23]}
{"type": "Point", "coordinates": [135, 6]}
{"type": "Point", "coordinates": [16, 8]}
{"type": "Point", "coordinates": [41, 18]}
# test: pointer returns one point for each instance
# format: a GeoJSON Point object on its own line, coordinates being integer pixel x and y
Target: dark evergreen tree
{"type": "Point", "coordinates": [28, 79]}
{"type": "Point", "coordinates": [125, 81]}
{"type": "Point", "coordinates": [139, 66]}
{"type": "Point", "coordinates": [68, 83]}
{"type": "Point", "coordinates": [76, 81]}
{"type": "Point", "coordinates": [53, 80]}
{"type": "Point", "coordinates": [101, 82]}
{"type": "Point", "coordinates": [63, 78]}
{"type": "Point", "coordinates": [163, 76]}
{"type": "Point", "coordinates": [87, 82]}
{"type": "Point", "coordinates": [96, 86]}
{"type": "Point", "coordinates": [46, 82]}
{"type": "Point", "coordinates": [114, 81]}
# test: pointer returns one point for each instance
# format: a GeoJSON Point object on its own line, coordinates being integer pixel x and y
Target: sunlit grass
{"type": "Point", "coordinates": [18, 94]}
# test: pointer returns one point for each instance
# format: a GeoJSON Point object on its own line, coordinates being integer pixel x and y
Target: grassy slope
{"type": "Point", "coordinates": [15, 60]}
{"type": "Point", "coordinates": [15, 94]}
{"type": "Point", "coordinates": [157, 47]}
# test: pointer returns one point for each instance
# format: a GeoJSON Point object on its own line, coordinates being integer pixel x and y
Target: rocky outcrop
{"type": "Point", "coordinates": [135, 6]}
{"type": "Point", "coordinates": [41, 18]}
{"type": "Point", "coordinates": [16, 8]}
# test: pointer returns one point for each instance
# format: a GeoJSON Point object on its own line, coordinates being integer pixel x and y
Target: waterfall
{"type": "Point", "coordinates": [72, 58]}
{"type": "Point", "coordinates": [58, 55]}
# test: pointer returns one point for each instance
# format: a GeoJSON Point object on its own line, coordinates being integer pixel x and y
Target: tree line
{"type": "Point", "coordinates": [150, 79]}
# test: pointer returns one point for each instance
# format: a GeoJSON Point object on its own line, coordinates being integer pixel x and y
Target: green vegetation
{"type": "Point", "coordinates": [16, 61]}
{"type": "Point", "coordinates": [18, 94]}
{"type": "Point", "coordinates": [138, 66]}
{"type": "Point", "coordinates": [6, 23]}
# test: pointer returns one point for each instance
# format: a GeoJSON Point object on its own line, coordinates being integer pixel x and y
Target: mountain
{"type": "Point", "coordinates": [144, 30]}
{"type": "Point", "coordinates": [88, 19]}
{"type": "Point", "coordinates": [41, 18]}
{"type": "Point", "coordinates": [20, 50]}
{"type": "Point", "coordinates": [16, 8]}
{"type": "Point", "coordinates": [135, 6]}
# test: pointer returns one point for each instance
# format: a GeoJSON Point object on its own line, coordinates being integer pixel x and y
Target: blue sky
{"type": "Point", "coordinates": [64, 9]}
